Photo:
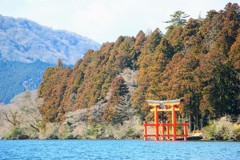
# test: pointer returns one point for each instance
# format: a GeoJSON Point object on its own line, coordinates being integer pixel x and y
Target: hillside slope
{"type": "Point", "coordinates": [197, 60]}
{"type": "Point", "coordinates": [27, 49]}
{"type": "Point", "coordinates": [16, 77]}
{"type": "Point", "coordinates": [26, 41]}
{"type": "Point", "coordinates": [104, 95]}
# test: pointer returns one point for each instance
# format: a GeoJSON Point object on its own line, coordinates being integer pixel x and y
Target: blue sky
{"type": "Point", "coordinates": [105, 20]}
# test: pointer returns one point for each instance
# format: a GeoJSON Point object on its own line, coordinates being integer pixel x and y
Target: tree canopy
{"type": "Point", "coordinates": [197, 59]}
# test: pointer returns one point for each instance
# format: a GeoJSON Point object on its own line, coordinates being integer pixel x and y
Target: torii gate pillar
{"type": "Point", "coordinates": [156, 123]}
{"type": "Point", "coordinates": [174, 123]}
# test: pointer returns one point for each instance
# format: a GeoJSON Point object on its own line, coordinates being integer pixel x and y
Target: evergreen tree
{"type": "Point", "coordinates": [178, 18]}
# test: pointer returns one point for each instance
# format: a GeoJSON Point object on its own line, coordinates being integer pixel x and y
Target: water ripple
{"type": "Point", "coordinates": [117, 150]}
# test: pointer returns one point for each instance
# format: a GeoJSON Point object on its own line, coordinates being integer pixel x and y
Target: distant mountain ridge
{"type": "Point", "coordinates": [27, 49]}
{"type": "Point", "coordinates": [26, 41]}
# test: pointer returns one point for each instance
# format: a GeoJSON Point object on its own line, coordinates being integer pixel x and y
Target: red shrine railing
{"type": "Point", "coordinates": [162, 130]}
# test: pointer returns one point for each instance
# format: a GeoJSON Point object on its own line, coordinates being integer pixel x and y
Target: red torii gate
{"type": "Point", "coordinates": [165, 106]}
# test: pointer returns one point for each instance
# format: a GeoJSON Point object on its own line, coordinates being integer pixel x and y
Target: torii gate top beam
{"type": "Point", "coordinates": [164, 104]}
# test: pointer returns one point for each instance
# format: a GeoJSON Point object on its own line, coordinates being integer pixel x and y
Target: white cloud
{"type": "Point", "coordinates": [105, 20]}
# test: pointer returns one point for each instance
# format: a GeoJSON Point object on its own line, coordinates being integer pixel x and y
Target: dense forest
{"type": "Point", "coordinates": [197, 59]}
{"type": "Point", "coordinates": [19, 76]}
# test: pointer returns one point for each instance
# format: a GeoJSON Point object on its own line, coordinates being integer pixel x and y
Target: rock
{"type": "Point", "coordinates": [22, 137]}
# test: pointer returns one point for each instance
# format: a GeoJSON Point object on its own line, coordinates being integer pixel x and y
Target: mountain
{"type": "Point", "coordinates": [19, 76]}
{"type": "Point", "coordinates": [27, 49]}
{"type": "Point", "coordinates": [26, 41]}
{"type": "Point", "coordinates": [104, 95]}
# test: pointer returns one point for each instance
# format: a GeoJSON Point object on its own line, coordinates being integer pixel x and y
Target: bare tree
{"type": "Point", "coordinates": [12, 118]}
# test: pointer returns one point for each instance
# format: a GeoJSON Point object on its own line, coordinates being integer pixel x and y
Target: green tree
{"type": "Point", "coordinates": [219, 86]}
{"type": "Point", "coordinates": [178, 18]}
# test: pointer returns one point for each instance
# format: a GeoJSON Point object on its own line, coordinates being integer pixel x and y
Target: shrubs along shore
{"type": "Point", "coordinates": [22, 120]}
{"type": "Point", "coordinates": [15, 123]}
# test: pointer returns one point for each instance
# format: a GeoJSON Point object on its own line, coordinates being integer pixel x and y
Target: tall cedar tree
{"type": "Point", "coordinates": [196, 59]}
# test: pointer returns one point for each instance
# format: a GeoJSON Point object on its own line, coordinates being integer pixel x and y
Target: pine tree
{"type": "Point", "coordinates": [178, 18]}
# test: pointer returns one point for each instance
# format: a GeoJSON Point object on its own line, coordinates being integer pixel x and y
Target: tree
{"type": "Point", "coordinates": [220, 86]}
{"type": "Point", "coordinates": [59, 63]}
{"type": "Point", "coordinates": [154, 39]}
{"type": "Point", "coordinates": [178, 19]}
{"type": "Point", "coordinates": [166, 48]}
{"type": "Point", "coordinates": [12, 118]}
{"type": "Point", "coordinates": [117, 106]}
{"type": "Point", "coordinates": [234, 55]}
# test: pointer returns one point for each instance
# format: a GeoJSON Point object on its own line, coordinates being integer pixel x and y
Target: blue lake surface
{"type": "Point", "coordinates": [117, 149]}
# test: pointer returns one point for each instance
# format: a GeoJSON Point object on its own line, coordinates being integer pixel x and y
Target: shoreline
{"type": "Point", "coordinates": [190, 139]}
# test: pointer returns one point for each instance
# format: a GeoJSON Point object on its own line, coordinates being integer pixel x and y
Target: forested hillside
{"type": "Point", "coordinates": [27, 49]}
{"type": "Point", "coordinates": [16, 77]}
{"type": "Point", "coordinates": [198, 60]}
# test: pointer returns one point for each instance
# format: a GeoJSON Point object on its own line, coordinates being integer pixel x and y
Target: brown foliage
{"type": "Point", "coordinates": [198, 61]}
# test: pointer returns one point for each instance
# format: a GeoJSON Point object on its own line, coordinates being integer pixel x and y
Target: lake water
{"type": "Point", "coordinates": [118, 150]}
